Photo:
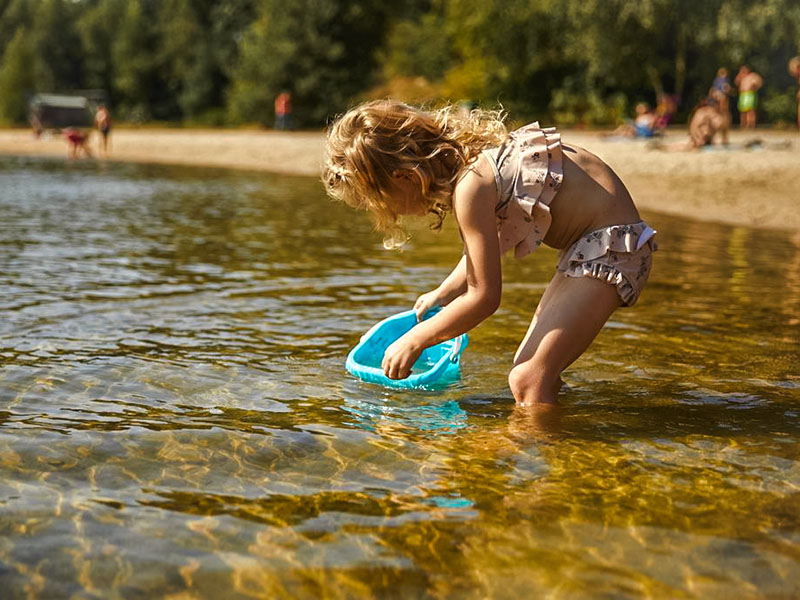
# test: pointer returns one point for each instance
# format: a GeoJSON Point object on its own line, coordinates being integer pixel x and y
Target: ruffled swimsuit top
{"type": "Point", "coordinates": [528, 173]}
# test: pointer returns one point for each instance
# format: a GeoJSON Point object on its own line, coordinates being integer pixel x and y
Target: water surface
{"type": "Point", "coordinates": [176, 419]}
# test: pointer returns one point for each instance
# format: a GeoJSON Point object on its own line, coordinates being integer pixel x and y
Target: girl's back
{"type": "Point", "coordinates": [591, 197]}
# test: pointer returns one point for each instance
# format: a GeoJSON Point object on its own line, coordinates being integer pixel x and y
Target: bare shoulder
{"type": "Point", "coordinates": [475, 186]}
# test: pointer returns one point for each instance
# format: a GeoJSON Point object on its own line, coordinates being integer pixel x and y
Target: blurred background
{"type": "Point", "coordinates": [223, 62]}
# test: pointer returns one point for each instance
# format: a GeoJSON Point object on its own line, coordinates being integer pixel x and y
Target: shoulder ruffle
{"type": "Point", "coordinates": [536, 169]}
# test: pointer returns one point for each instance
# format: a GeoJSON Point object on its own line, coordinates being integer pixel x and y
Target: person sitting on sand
{"type": "Point", "coordinates": [642, 125]}
{"type": "Point", "coordinates": [77, 141]}
{"type": "Point", "coordinates": [706, 122]}
{"type": "Point", "coordinates": [665, 109]}
{"type": "Point", "coordinates": [506, 191]}
{"type": "Point", "coordinates": [748, 83]}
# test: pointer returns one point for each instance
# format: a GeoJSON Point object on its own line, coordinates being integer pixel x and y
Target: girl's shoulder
{"type": "Point", "coordinates": [476, 180]}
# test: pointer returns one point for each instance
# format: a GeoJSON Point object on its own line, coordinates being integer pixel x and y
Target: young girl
{"type": "Point", "coordinates": [506, 190]}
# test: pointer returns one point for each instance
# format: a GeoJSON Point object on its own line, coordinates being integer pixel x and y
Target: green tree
{"type": "Point", "coordinates": [58, 63]}
{"type": "Point", "coordinates": [421, 47]}
{"type": "Point", "coordinates": [134, 72]}
{"type": "Point", "coordinates": [586, 60]}
{"type": "Point", "coordinates": [97, 26]}
{"type": "Point", "coordinates": [16, 78]}
{"type": "Point", "coordinates": [323, 51]}
{"type": "Point", "coordinates": [197, 45]}
{"type": "Point", "coordinates": [14, 14]}
{"type": "Point", "coordinates": [510, 52]}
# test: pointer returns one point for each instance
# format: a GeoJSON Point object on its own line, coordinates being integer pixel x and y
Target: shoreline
{"type": "Point", "coordinates": [757, 187]}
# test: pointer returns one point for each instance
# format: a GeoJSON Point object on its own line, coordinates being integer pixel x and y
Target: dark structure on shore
{"type": "Point", "coordinates": [59, 111]}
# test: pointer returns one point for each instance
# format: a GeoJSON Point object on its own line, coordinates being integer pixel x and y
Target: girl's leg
{"type": "Point", "coordinates": [571, 313]}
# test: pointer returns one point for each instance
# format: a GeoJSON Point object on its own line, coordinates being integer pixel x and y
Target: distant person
{"type": "Point", "coordinates": [283, 111]}
{"type": "Point", "coordinates": [666, 106]}
{"type": "Point", "coordinates": [748, 83]}
{"type": "Point", "coordinates": [36, 125]}
{"type": "Point", "coordinates": [642, 125]}
{"type": "Point", "coordinates": [794, 70]}
{"type": "Point", "coordinates": [506, 191]}
{"type": "Point", "coordinates": [720, 90]}
{"type": "Point", "coordinates": [707, 121]}
{"type": "Point", "coordinates": [102, 120]}
{"type": "Point", "coordinates": [77, 142]}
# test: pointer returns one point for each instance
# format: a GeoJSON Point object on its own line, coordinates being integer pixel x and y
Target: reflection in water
{"type": "Point", "coordinates": [176, 419]}
{"type": "Point", "coordinates": [388, 415]}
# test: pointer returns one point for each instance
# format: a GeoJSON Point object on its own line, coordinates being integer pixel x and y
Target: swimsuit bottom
{"type": "Point", "coordinates": [621, 255]}
{"type": "Point", "coordinates": [747, 101]}
{"type": "Point", "coordinates": [75, 137]}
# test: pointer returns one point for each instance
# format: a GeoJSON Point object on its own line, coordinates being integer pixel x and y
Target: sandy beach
{"type": "Point", "coordinates": [757, 187]}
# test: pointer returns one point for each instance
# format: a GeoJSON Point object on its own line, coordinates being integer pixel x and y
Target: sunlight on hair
{"type": "Point", "coordinates": [374, 140]}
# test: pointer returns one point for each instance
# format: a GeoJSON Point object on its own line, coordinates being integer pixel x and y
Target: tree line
{"type": "Point", "coordinates": [222, 62]}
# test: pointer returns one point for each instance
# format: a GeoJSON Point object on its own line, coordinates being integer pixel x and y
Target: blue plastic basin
{"type": "Point", "coordinates": [437, 366]}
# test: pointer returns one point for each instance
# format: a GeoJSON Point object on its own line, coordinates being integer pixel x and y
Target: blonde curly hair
{"type": "Point", "coordinates": [374, 140]}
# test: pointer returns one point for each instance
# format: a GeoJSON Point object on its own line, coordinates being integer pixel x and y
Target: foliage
{"type": "Point", "coordinates": [16, 74]}
{"type": "Point", "coordinates": [781, 108]}
{"type": "Point", "coordinates": [322, 51]}
{"type": "Point", "coordinates": [224, 61]}
{"type": "Point", "coordinates": [417, 48]}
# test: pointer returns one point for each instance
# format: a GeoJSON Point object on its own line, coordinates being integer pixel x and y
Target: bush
{"type": "Point", "coordinates": [781, 107]}
{"type": "Point", "coordinates": [16, 80]}
{"type": "Point", "coordinates": [571, 109]}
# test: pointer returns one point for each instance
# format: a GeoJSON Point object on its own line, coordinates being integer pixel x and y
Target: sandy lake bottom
{"type": "Point", "coordinates": [176, 418]}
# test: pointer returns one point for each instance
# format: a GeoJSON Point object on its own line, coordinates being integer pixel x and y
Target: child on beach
{"type": "Point", "coordinates": [506, 190]}
{"type": "Point", "coordinates": [708, 120]}
{"type": "Point", "coordinates": [77, 142]}
{"type": "Point", "coordinates": [641, 126]}
{"type": "Point", "coordinates": [720, 89]}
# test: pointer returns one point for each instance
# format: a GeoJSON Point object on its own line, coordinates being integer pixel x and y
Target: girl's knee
{"type": "Point", "coordinates": [530, 384]}
{"type": "Point", "coordinates": [518, 383]}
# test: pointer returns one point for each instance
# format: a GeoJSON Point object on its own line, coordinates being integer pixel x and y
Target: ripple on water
{"type": "Point", "coordinates": [176, 419]}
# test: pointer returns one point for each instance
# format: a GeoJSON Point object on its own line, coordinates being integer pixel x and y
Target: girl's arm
{"type": "Point", "coordinates": [474, 200]}
{"type": "Point", "coordinates": [451, 288]}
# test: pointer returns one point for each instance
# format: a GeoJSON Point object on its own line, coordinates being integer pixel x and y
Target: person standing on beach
{"type": "Point", "coordinates": [283, 111]}
{"type": "Point", "coordinates": [102, 120]}
{"type": "Point", "coordinates": [794, 70]}
{"type": "Point", "coordinates": [748, 83]}
{"type": "Point", "coordinates": [721, 90]}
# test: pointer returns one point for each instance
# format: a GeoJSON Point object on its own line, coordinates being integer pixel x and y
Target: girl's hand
{"type": "Point", "coordinates": [400, 357]}
{"type": "Point", "coordinates": [426, 302]}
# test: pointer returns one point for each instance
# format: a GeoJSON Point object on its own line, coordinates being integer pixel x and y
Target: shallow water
{"type": "Point", "coordinates": [176, 418]}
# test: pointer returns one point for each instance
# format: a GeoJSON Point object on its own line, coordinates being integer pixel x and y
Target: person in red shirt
{"type": "Point", "coordinates": [794, 70]}
{"type": "Point", "coordinates": [283, 111]}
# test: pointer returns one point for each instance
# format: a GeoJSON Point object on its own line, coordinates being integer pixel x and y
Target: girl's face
{"type": "Point", "coordinates": [405, 195]}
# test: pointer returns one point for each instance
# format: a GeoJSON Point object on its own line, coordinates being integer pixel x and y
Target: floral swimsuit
{"type": "Point", "coordinates": [528, 174]}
